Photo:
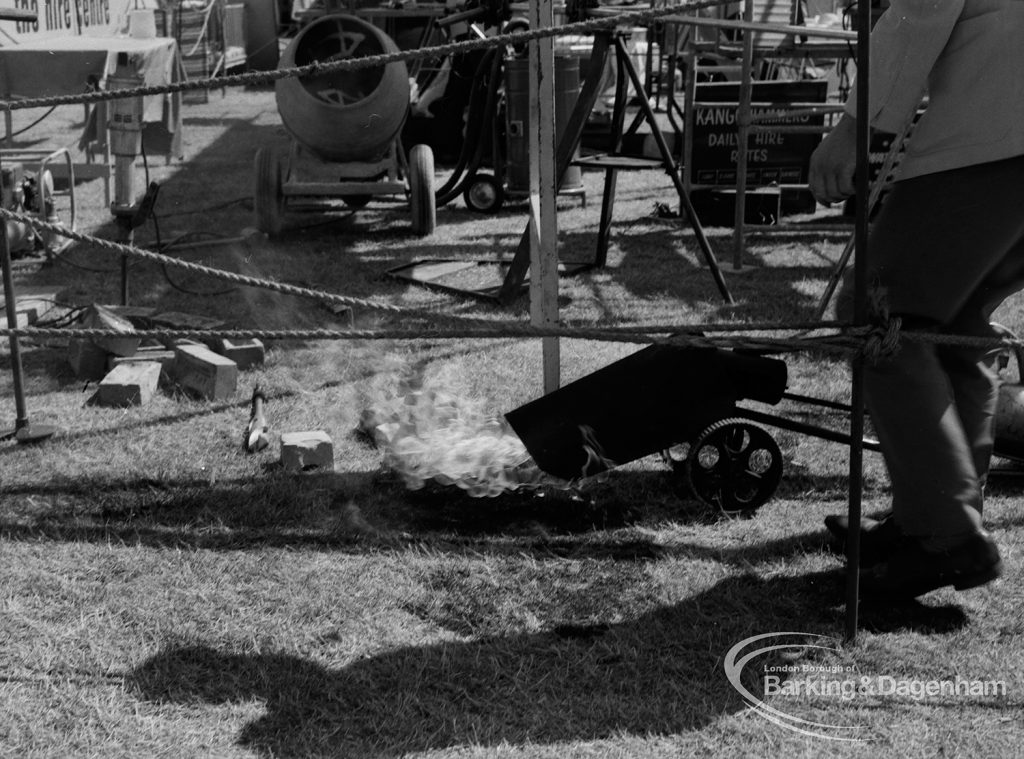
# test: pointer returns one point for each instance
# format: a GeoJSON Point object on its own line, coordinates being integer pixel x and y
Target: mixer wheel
{"type": "Point", "coordinates": [268, 197]}
{"type": "Point", "coordinates": [421, 190]}
{"type": "Point", "coordinates": [484, 194]}
{"type": "Point", "coordinates": [733, 465]}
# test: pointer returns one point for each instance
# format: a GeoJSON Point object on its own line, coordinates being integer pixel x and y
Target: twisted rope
{"type": "Point", "coordinates": [874, 342]}
{"type": "Point", "coordinates": [239, 279]}
{"type": "Point", "coordinates": [836, 344]}
{"type": "Point", "coordinates": [370, 61]}
{"type": "Point", "coordinates": [871, 342]}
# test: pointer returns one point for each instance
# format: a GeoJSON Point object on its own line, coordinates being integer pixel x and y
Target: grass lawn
{"type": "Point", "coordinates": [164, 593]}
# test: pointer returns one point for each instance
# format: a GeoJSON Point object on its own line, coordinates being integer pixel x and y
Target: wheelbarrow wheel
{"type": "Point", "coordinates": [268, 195]}
{"type": "Point", "coordinates": [421, 190]}
{"type": "Point", "coordinates": [484, 194]}
{"type": "Point", "coordinates": [734, 466]}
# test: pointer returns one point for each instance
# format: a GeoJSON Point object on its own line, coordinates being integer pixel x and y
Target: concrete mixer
{"type": "Point", "coordinates": [344, 126]}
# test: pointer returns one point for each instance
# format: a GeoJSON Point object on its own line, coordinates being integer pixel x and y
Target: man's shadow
{"type": "Point", "coordinates": [658, 674]}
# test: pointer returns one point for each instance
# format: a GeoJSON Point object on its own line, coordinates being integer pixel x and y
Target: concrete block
{"type": "Point", "coordinates": [245, 353]}
{"type": "Point", "coordinates": [208, 374]}
{"type": "Point", "coordinates": [307, 451]}
{"type": "Point", "coordinates": [129, 384]}
{"type": "Point", "coordinates": [88, 360]}
{"type": "Point", "coordinates": [162, 356]}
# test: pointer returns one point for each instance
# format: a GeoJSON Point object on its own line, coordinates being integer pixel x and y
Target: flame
{"type": "Point", "coordinates": [429, 434]}
{"type": "Point", "coordinates": [595, 453]}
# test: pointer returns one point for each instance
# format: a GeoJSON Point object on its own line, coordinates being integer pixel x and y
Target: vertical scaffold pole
{"type": "Point", "coordinates": [860, 280]}
{"type": "Point", "coordinates": [543, 188]}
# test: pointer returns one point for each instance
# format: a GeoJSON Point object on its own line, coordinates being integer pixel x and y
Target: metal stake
{"type": "Point", "coordinates": [23, 432]}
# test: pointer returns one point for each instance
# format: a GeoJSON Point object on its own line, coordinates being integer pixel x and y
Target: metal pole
{"type": "Point", "coordinates": [743, 111]}
{"type": "Point", "coordinates": [543, 186]}
{"type": "Point", "coordinates": [860, 280]}
{"type": "Point", "coordinates": [11, 307]}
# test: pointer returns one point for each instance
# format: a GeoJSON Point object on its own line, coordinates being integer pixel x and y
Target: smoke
{"type": "Point", "coordinates": [429, 434]}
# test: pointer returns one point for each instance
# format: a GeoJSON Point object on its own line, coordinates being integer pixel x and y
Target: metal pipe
{"type": "Point", "coordinates": [802, 31]}
{"type": "Point", "coordinates": [11, 307]}
{"type": "Point", "coordinates": [806, 429]}
{"type": "Point", "coordinates": [860, 280]}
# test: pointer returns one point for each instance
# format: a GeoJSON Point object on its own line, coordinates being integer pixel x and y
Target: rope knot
{"type": "Point", "coordinates": [882, 339]}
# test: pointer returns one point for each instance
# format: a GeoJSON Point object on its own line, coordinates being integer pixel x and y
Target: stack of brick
{"type": "Point", "coordinates": [130, 372]}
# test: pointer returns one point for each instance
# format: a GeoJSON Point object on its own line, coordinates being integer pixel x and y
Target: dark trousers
{"type": "Point", "coordinates": [945, 251]}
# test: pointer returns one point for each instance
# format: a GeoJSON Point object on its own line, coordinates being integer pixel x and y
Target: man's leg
{"type": "Point", "coordinates": [943, 246]}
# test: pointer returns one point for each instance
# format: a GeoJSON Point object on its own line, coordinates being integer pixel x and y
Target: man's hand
{"type": "Point", "coordinates": [834, 163]}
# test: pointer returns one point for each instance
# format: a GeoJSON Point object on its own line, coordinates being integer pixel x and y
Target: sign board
{"type": "Point", "coordinates": [67, 17]}
{"type": "Point", "coordinates": [772, 157]}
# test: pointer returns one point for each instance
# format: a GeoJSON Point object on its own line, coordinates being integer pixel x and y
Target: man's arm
{"type": "Point", "coordinates": [905, 44]}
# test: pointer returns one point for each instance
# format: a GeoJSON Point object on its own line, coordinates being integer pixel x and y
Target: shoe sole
{"type": "Point", "coordinates": [963, 582]}
{"type": "Point", "coordinates": [979, 578]}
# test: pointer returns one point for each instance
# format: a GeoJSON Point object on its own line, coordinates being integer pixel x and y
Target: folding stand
{"type": "Point", "coordinates": [612, 162]}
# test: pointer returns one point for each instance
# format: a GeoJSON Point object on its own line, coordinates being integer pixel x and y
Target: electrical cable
{"type": "Point", "coordinates": [30, 126]}
{"type": "Point", "coordinates": [479, 118]}
{"type": "Point", "coordinates": [474, 126]}
{"type": "Point", "coordinates": [65, 319]}
{"type": "Point", "coordinates": [204, 209]}
{"type": "Point", "coordinates": [162, 248]}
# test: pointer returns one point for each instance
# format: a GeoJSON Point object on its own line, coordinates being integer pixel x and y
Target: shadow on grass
{"type": "Point", "coordinates": [659, 674]}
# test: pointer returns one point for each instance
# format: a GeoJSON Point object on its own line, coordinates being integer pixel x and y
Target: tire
{"type": "Point", "coordinates": [484, 194]}
{"type": "Point", "coordinates": [421, 190]}
{"type": "Point", "coordinates": [268, 194]}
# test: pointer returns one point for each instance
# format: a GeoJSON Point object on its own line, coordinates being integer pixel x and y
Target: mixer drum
{"type": "Point", "coordinates": [343, 115]}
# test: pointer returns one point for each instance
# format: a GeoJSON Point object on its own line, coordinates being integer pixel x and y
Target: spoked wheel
{"type": "Point", "coordinates": [734, 466]}
{"type": "Point", "coordinates": [484, 194]}
{"type": "Point", "coordinates": [268, 195]}
{"type": "Point", "coordinates": [421, 190]}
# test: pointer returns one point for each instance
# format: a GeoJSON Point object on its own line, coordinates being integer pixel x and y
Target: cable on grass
{"type": "Point", "coordinates": [64, 320]}
{"type": "Point", "coordinates": [163, 247]}
{"type": "Point", "coordinates": [30, 126]}
{"type": "Point", "coordinates": [207, 209]}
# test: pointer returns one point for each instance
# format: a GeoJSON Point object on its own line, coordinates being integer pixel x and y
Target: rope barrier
{"type": "Point", "coordinates": [838, 344]}
{"type": "Point", "coordinates": [874, 342]}
{"type": "Point", "coordinates": [319, 68]}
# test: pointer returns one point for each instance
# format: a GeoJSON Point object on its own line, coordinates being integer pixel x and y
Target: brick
{"type": "Point", "coordinates": [245, 353]}
{"type": "Point", "coordinates": [88, 360]}
{"type": "Point", "coordinates": [162, 356]}
{"type": "Point", "coordinates": [208, 374]}
{"type": "Point", "coordinates": [307, 451]}
{"type": "Point", "coordinates": [130, 384]}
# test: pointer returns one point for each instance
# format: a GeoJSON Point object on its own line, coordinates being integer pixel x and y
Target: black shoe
{"type": "Point", "coordinates": [878, 537]}
{"type": "Point", "coordinates": [912, 571]}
